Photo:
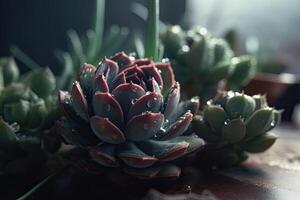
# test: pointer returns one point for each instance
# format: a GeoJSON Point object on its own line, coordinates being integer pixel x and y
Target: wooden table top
{"type": "Point", "coordinates": [273, 175]}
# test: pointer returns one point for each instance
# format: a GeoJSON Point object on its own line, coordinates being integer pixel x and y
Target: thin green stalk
{"type": "Point", "coordinates": [25, 59]}
{"type": "Point", "coordinates": [152, 37]}
{"type": "Point", "coordinates": [42, 183]}
{"type": "Point", "coordinates": [98, 27]}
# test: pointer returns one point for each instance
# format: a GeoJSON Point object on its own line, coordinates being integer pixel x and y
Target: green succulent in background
{"type": "Point", "coordinates": [202, 60]}
{"type": "Point", "coordinates": [89, 48]}
{"type": "Point", "coordinates": [235, 124]}
{"type": "Point", "coordinates": [127, 114]}
{"type": "Point", "coordinates": [27, 109]}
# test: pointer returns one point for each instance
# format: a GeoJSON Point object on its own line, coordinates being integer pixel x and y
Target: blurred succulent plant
{"type": "Point", "coordinates": [234, 124]}
{"type": "Point", "coordinates": [126, 113]}
{"type": "Point", "coordinates": [90, 48]}
{"type": "Point", "coordinates": [27, 109]}
{"type": "Point", "coordinates": [201, 61]}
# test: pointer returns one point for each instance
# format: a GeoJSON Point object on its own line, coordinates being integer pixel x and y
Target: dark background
{"type": "Point", "coordinates": [38, 27]}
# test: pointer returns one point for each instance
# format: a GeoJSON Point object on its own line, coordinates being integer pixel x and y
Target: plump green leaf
{"type": "Point", "coordinates": [215, 116]}
{"type": "Point", "coordinates": [259, 122]}
{"type": "Point", "coordinates": [260, 143]}
{"type": "Point", "coordinates": [234, 131]}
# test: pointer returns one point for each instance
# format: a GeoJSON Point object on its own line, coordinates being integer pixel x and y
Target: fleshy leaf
{"type": "Point", "coordinates": [118, 80]}
{"type": "Point", "coordinates": [104, 154]}
{"type": "Point", "coordinates": [64, 100]}
{"type": "Point", "coordinates": [194, 142]}
{"type": "Point", "coordinates": [172, 101]}
{"type": "Point", "coordinates": [134, 156]}
{"type": "Point", "coordinates": [203, 131]}
{"type": "Point", "coordinates": [106, 106]}
{"type": "Point", "coordinates": [259, 122]}
{"type": "Point", "coordinates": [260, 143]}
{"type": "Point", "coordinates": [106, 130]}
{"type": "Point", "coordinates": [86, 78]}
{"type": "Point", "coordinates": [234, 131]}
{"type": "Point", "coordinates": [100, 84]}
{"type": "Point", "coordinates": [215, 116]}
{"type": "Point", "coordinates": [108, 68]}
{"type": "Point", "coordinates": [126, 94]}
{"type": "Point", "coordinates": [153, 86]}
{"type": "Point", "coordinates": [167, 75]}
{"type": "Point", "coordinates": [179, 127]}
{"type": "Point", "coordinates": [164, 150]}
{"type": "Point", "coordinates": [152, 71]}
{"type": "Point", "coordinates": [142, 61]}
{"type": "Point", "coordinates": [151, 102]}
{"type": "Point", "coordinates": [240, 106]}
{"type": "Point", "coordinates": [79, 101]}
{"type": "Point", "coordinates": [144, 126]}
{"type": "Point", "coordinates": [122, 59]}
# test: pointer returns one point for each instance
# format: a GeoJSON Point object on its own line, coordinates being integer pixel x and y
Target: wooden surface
{"type": "Point", "coordinates": [273, 175]}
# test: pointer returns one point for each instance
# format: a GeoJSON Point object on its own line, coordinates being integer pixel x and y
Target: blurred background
{"type": "Point", "coordinates": [268, 29]}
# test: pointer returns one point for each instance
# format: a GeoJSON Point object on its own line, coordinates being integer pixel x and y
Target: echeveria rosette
{"type": "Point", "coordinates": [28, 110]}
{"type": "Point", "coordinates": [235, 124]}
{"type": "Point", "coordinates": [201, 61]}
{"type": "Point", "coordinates": [127, 113]}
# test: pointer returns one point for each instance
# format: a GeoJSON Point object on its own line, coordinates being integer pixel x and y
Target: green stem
{"type": "Point", "coordinates": [152, 37]}
{"type": "Point", "coordinates": [25, 59]}
{"type": "Point", "coordinates": [98, 26]}
{"type": "Point", "coordinates": [42, 183]}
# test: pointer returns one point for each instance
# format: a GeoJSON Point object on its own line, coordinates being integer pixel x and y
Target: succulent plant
{"type": "Point", "coordinates": [235, 124]}
{"type": "Point", "coordinates": [126, 113]}
{"type": "Point", "coordinates": [201, 61]}
{"type": "Point", "coordinates": [27, 109]}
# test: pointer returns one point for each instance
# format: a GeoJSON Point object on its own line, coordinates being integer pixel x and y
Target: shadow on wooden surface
{"type": "Point", "coordinates": [250, 181]}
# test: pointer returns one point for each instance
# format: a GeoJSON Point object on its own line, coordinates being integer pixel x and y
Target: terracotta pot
{"type": "Point", "coordinates": [273, 85]}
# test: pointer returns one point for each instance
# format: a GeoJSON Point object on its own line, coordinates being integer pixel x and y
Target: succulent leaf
{"type": "Point", "coordinates": [259, 122]}
{"type": "Point", "coordinates": [126, 94]}
{"type": "Point", "coordinates": [79, 101]}
{"type": "Point", "coordinates": [144, 126]}
{"type": "Point", "coordinates": [260, 143]}
{"type": "Point", "coordinates": [240, 106]}
{"type": "Point", "coordinates": [104, 154]}
{"type": "Point", "coordinates": [151, 102]}
{"type": "Point", "coordinates": [106, 106]}
{"type": "Point", "coordinates": [134, 156]}
{"type": "Point", "coordinates": [172, 101]}
{"type": "Point", "coordinates": [215, 116]}
{"type": "Point", "coordinates": [106, 130]}
{"type": "Point", "coordinates": [234, 131]}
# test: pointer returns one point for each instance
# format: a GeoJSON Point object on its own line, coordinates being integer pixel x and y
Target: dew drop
{"type": "Point", "coordinates": [133, 101]}
{"type": "Point", "coordinates": [272, 123]}
{"type": "Point", "coordinates": [227, 122]}
{"type": "Point", "coordinates": [167, 122]}
{"type": "Point", "coordinates": [163, 130]}
{"type": "Point", "coordinates": [187, 189]}
{"type": "Point", "coordinates": [151, 103]}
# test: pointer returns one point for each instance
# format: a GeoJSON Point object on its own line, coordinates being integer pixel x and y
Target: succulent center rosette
{"type": "Point", "coordinates": [127, 113]}
{"type": "Point", "coordinates": [235, 124]}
